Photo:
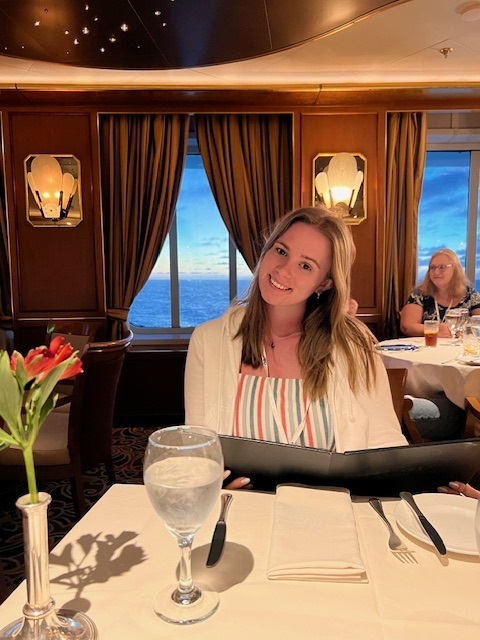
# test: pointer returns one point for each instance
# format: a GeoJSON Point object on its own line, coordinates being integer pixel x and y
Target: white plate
{"type": "Point", "coordinates": [452, 516]}
{"type": "Point", "coordinates": [472, 360]}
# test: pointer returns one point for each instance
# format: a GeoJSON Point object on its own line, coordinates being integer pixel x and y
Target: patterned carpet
{"type": "Point", "coordinates": [128, 449]}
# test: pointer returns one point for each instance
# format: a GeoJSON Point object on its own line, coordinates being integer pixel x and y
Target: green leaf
{"type": "Point", "coordinates": [6, 440]}
{"type": "Point", "coordinates": [48, 406]}
{"type": "Point", "coordinates": [10, 395]}
{"type": "Point", "coordinates": [20, 373]}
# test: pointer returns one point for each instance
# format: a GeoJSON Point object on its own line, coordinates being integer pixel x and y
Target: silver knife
{"type": "Point", "coordinates": [220, 532]}
{"type": "Point", "coordinates": [429, 529]}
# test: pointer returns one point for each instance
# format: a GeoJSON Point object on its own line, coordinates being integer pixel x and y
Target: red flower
{"type": "Point", "coordinates": [40, 361]}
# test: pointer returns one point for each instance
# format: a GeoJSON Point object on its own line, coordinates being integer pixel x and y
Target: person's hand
{"type": "Point", "coordinates": [444, 331]}
{"type": "Point", "coordinates": [460, 488]}
{"type": "Point", "coordinates": [239, 483]}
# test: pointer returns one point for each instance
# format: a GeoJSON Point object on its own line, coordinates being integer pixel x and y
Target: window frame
{"type": "Point", "coordinates": [177, 335]}
{"type": "Point", "coordinates": [473, 214]}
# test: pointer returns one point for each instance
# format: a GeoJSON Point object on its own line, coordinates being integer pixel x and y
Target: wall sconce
{"type": "Point", "coordinates": [53, 197]}
{"type": "Point", "coordinates": [338, 184]}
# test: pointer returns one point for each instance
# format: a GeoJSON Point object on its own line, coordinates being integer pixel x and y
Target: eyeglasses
{"type": "Point", "coordinates": [439, 267]}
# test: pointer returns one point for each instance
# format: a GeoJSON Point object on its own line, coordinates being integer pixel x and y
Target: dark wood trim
{"type": "Point", "coordinates": [396, 98]}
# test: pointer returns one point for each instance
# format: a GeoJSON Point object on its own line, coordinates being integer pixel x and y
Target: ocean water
{"type": "Point", "coordinates": [200, 300]}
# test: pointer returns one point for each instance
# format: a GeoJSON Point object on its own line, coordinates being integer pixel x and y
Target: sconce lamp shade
{"type": "Point", "coordinates": [53, 190]}
{"type": "Point", "coordinates": [340, 182]}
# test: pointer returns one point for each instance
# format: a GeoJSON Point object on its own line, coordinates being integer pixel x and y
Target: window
{"type": "Point", "coordinates": [448, 212]}
{"type": "Point", "coordinates": [199, 271]}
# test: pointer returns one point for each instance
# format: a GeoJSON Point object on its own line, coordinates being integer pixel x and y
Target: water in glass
{"type": "Point", "coordinates": [183, 470]}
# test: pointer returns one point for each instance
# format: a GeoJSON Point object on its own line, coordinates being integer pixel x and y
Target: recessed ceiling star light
{"type": "Point", "coordinates": [85, 31]}
{"type": "Point", "coordinates": [37, 23]}
{"type": "Point", "coordinates": [124, 27]}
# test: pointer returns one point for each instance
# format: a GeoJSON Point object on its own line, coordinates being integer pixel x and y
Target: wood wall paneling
{"type": "Point", "coordinates": [55, 271]}
{"type": "Point", "coordinates": [355, 133]}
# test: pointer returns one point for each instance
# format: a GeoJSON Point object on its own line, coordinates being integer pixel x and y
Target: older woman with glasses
{"type": "Point", "coordinates": [444, 287]}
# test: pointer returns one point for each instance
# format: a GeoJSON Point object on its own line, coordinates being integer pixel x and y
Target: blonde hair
{"type": "Point", "coordinates": [457, 287]}
{"type": "Point", "coordinates": [326, 327]}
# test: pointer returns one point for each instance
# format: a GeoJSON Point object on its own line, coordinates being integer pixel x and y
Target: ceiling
{"type": "Point", "coordinates": [234, 43]}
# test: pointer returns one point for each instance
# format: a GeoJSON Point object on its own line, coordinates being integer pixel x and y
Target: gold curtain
{"type": "Point", "coordinates": [5, 297]}
{"type": "Point", "coordinates": [142, 160]}
{"type": "Point", "coordinates": [248, 160]}
{"type": "Point", "coordinates": [406, 152]}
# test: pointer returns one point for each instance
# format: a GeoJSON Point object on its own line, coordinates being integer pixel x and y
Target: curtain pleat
{"type": "Point", "coordinates": [142, 162]}
{"type": "Point", "coordinates": [406, 154]}
{"type": "Point", "coordinates": [248, 160]}
{"type": "Point", "coordinates": [5, 293]}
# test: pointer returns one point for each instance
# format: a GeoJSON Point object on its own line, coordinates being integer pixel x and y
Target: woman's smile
{"type": "Point", "coordinates": [277, 285]}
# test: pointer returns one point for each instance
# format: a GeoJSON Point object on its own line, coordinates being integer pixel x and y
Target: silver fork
{"type": "Point", "coordinates": [396, 545]}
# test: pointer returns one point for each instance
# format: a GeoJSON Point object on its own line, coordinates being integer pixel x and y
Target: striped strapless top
{"type": "Point", "coordinates": [255, 418]}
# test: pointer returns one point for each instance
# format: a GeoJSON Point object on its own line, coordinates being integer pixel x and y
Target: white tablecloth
{"type": "Point", "coordinates": [116, 558]}
{"type": "Point", "coordinates": [433, 370]}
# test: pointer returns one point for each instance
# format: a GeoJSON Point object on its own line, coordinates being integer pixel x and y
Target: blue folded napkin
{"type": "Point", "coordinates": [397, 347]}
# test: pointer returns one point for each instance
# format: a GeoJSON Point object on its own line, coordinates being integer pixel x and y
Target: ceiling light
{"type": "Point", "coordinates": [446, 51]}
{"type": "Point", "coordinates": [471, 13]}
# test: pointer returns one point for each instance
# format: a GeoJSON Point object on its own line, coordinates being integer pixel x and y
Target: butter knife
{"type": "Point", "coordinates": [429, 529]}
{"type": "Point", "coordinates": [218, 539]}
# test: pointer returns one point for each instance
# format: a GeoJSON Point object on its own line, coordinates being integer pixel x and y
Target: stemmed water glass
{"type": "Point", "coordinates": [183, 471]}
{"type": "Point", "coordinates": [456, 319]}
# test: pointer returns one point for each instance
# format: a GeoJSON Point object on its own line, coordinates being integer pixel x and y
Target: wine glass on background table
{"type": "Point", "coordinates": [183, 472]}
{"type": "Point", "coordinates": [453, 319]}
{"type": "Point", "coordinates": [464, 318]}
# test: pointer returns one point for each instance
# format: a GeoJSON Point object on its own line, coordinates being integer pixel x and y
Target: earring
{"type": "Point", "coordinates": [319, 293]}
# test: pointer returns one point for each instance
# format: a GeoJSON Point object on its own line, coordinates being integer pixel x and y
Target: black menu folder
{"type": "Point", "coordinates": [383, 472]}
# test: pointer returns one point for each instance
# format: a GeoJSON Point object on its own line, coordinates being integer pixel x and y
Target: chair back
{"type": "Point", "coordinates": [79, 333]}
{"type": "Point", "coordinates": [397, 379]}
{"type": "Point", "coordinates": [93, 401]}
{"type": "Point", "coordinates": [402, 405]}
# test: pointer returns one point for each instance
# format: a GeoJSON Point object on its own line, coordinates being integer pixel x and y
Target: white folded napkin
{"type": "Point", "coordinates": [314, 536]}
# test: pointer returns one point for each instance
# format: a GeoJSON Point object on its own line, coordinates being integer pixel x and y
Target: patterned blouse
{"type": "Point", "coordinates": [471, 301]}
{"type": "Point", "coordinates": [255, 418]}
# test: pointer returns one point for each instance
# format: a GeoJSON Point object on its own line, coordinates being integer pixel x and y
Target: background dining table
{"type": "Point", "coordinates": [433, 370]}
{"type": "Point", "coordinates": [114, 560]}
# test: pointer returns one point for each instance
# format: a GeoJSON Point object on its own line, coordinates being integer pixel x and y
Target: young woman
{"type": "Point", "coordinates": [289, 364]}
{"type": "Point", "coordinates": [443, 288]}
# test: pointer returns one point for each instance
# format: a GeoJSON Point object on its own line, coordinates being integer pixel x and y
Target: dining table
{"type": "Point", "coordinates": [434, 370]}
{"type": "Point", "coordinates": [114, 560]}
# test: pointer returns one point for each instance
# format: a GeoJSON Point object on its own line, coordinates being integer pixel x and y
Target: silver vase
{"type": "Point", "coordinates": [41, 621]}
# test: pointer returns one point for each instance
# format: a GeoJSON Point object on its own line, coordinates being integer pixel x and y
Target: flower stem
{"type": "Point", "coordinates": [30, 469]}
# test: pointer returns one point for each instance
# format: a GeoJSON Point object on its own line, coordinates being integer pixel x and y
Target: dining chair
{"type": "Point", "coordinates": [472, 419]}
{"type": "Point", "coordinates": [402, 404]}
{"type": "Point", "coordinates": [79, 333]}
{"type": "Point", "coordinates": [77, 434]}
{"type": "Point", "coordinates": [85, 330]}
